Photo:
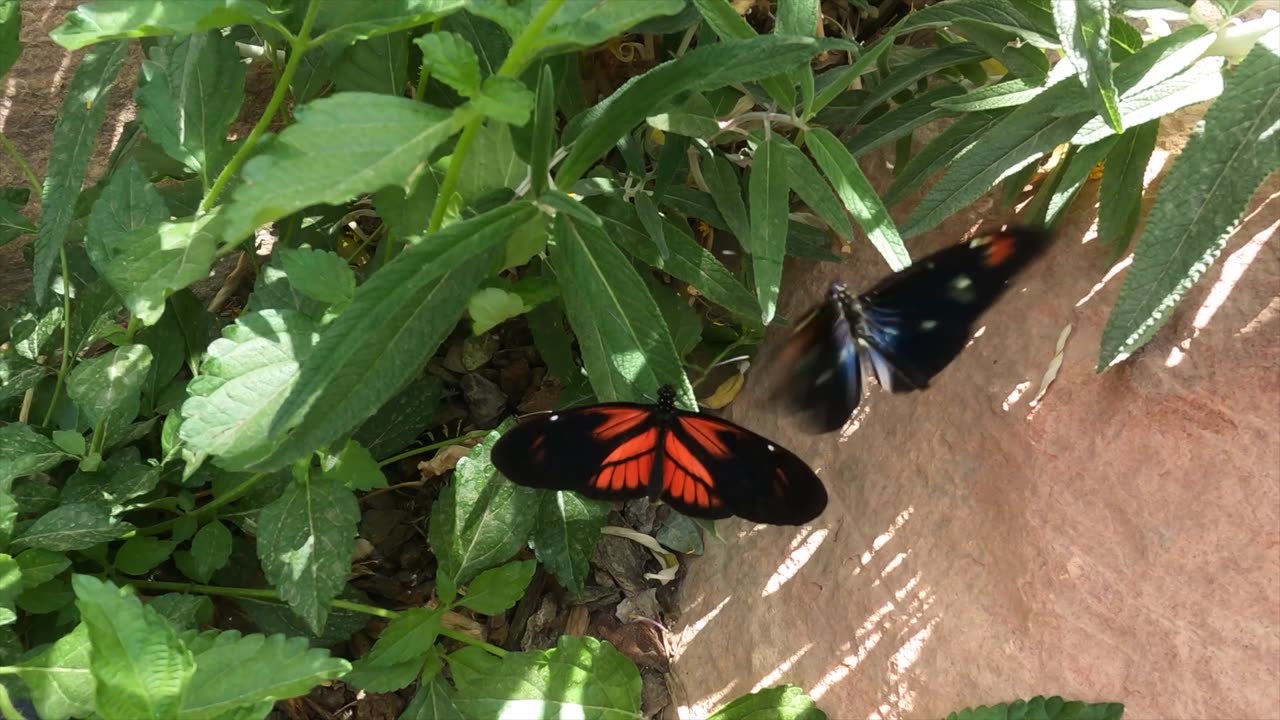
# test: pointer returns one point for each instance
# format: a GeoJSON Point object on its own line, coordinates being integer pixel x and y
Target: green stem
{"type": "Point", "coordinates": [134, 326]}
{"type": "Point", "coordinates": [21, 162]}
{"type": "Point", "coordinates": [65, 365]}
{"type": "Point", "coordinates": [7, 707]}
{"type": "Point", "coordinates": [434, 446]}
{"type": "Point", "coordinates": [268, 595]}
{"type": "Point", "coordinates": [522, 53]}
{"type": "Point", "coordinates": [298, 46]}
{"type": "Point", "coordinates": [235, 494]}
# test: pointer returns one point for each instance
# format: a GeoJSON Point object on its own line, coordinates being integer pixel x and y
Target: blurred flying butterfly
{"type": "Point", "coordinates": [700, 465]}
{"type": "Point", "coordinates": [905, 329]}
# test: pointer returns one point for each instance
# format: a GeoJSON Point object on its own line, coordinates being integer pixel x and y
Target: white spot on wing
{"type": "Point", "coordinates": [555, 418]}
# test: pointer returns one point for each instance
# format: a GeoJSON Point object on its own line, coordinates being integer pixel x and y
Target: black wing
{"type": "Point", "coordinates": [915, 322]}
{"type": "Point", "coordinates": [824, 377]}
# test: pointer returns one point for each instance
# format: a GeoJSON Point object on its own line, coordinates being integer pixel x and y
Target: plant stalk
{"type": "Point", "coordinates": [298, 46]}
{"type": "Point", "coordinates": [65, 365]}
{"type": "Point", "coordinates": [235, 494]}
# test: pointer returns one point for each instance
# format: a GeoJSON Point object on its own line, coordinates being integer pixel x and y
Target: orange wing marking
{"type": "Point", "coordinates": [708, 434]}
{"type": "Point", "coordinates": [630, 464]}
{"type": "Point", "coordinates": [685, 477]}
{"type": "Point", "coordinates": [999, 250]}
{"type": "Point", "coordinates": [617, 421]}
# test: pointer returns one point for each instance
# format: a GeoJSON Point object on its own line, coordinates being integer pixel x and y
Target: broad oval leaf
{"type": "Point", "coordinates": [785, 702]}
{"type": "Point", "coordinates": [74, 526]}
{"type": "Point", "coordinates": [565, 534]}
{"type": "Point", "coordinates": [581, 677]}
{"type": "Point", "coordinates": [24, 451]}
{"type": "Point", "coordinates": [107, 387]}
{"type": "Point", "coordinates": [305, 540]}
{"type": "Point", "coordinates": [385, 141]}
{"type": "Point", "coordinates": [62, 686]}
{"type": "Point", "coordinates": [141, 667]}
{"type": "Point", "coordinates": [117, 19]}
{"type": "Point", "coordinates": [243, 381]}
{"type": "Point", "coordinates": [237, 672]}
{"type": "Point", "coordinates": [318, 274]}
{"type": "Point", "coordinates": [497, 590]}
{"type": "Point", "coordinates": [481, 519]}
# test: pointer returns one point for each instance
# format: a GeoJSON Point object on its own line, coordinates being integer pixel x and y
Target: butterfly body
{"type": "Point", "coordinates": [905, 330]}
{"type": "Point", "coordinates": [700, 465]}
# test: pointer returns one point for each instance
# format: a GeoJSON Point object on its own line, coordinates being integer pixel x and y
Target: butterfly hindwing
{"type": "Point", "coordinates": [825, 375]}
{"type": "Point", "coordinates": [754, 478]}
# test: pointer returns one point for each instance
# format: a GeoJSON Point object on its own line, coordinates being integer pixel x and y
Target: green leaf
{"type": "Point", "coordinates": [832, 83]}
{"type": "Point", "coordinates": [575, 24]}
{"type": "Point", "coordinates": [141, 554]}
{"type": "Point", "coordinates": [1074, 177]}
{"type": "Point", "coordinates": [504, 99]}
{"type": "Point", "coordinates": [141, 667]}
{"type": "Point", "coordinates": [185, 612]}
{"type": "Point", "coordinates": [74, 526]}
{"type": "Point", "coordinates": [107, 387]}
{"type": "Point", "coordinates": [492, 163]}
{"type": "Point", "coordinates": [1199, 83]}
{"type": "Point", "coordinates": [10, 587]}
{"type": "Point", "coordinates": [451, 60]}
{"type": "Point", "coordinates": [402, 419]}
{"type": "Point", "coordinates": [1201, 201]}
{"type": "Point", "coordinates": [39, 566]}
{"type": "Point", "coordinates": [689, 261]}
{"type": "Point", "coordinates": [543, 141]}
{"type": "Point", "coordinates": [581, 677]}
{"type": "Point", "coordinates": [344, 22]}
{"type": "Point", "coordinates": [72, 442]}
{"type": "Point", "coordinates": [626, 347]}
{"type": "Point", "coordinates": [128, 203]}
{"type": "Point", "coordinates": [320, 275]}
{"type": "Point", "coordinates": [680, 533]}
{"type": "Point", "coordinates": [726, 192]}
{"type": "Point", "coordinates": [684, 322]}
{"type": "Point", "coordinates": [1084, 28]}
{"type": "Point", "coordinates": [490, 307]}
{"type": "Point", "coordinates": [417, 298]}
{"type": "Point", "coordinates": [13, 224]}
{"type": "Point", "coordinates": [552, 339]}
{"type": "Point", "coordinates": [74, 138]}
{"type": "Point", "coordinates": [356, 468]}
{"type": "Point", "coordinates": [1120, 199]}
{"type": "Point", "coordinates": [798, 17]}
{"type": "Point", "coordinates": [239, 672]}
{"type": "Point", "coordinates": [10, 36]}
{"type": "Point", "coordinates": [992, 97]}
{"type": "Point", "coordinates": [785, 702]}
{"type": "Point", "coordinates": [242, 383]}
{"type": "Point", "coordinates": [903, 120]}
{"type": "Point", "coordinates": [400, 653]}
{"type": "Point", "coordinates": [434, 701]}
{"type": "Point", "coordinates": [770, 193]}
{"type": "Point", "coordinates": [378, 65]}
{"type": "Point", "coordinates": [653, 223]}
{"type": "Point", "coordinates": [19, 374]}
{"type": "Point", "coordinates": [858, 196]}
{"type": "Point", "coordinates": [1042, 708]}
{"type": "Point", "coordinates": [956, 139]}
{"type": "Point", "coordinates": [470, 665]}
{"type": "Point", "coordinates": [62, 686]}
{"type": "Point", "coordinates": [24, 451]}
{"type": "Point", "coordinates": [191, 91]}
{"type": "Point", "coordinates": [814, 189]}
{"type": "Point", "coordinates": [713, 66]}
{"type": "Point", "coordinates": [149, 264]}
{"type": "Point", "coordinates": [305, 541]}
{"type": "Point", "coordinates": [480, 520]}
{"type": "Point", "coordinates": [210, 549]}
{"type": "Point", "coordinates": [497, 590]}
{"type": "Point", "coordinates": [117, 19]}
{"type": "Point", "coordinates": [694, 118]}
{"type": "Point", "coordinates": [723, 18]}
{"type": "Point", "coordinates": [1031, 21]}
{"type": "Point", "coordinates": [384, 677]}
{"type": "Point", "coordinates": [384, 140]}
{"type": "Point", "coordinates": [565, 534]}
{"type": "Point", "coordinates": [903, 77]}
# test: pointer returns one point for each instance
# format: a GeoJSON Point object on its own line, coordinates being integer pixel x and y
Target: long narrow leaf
{"type": "Point", "coordinates": [1084, 27]}
{"type": "Point", "coordinates": [769, 194]}
{"type": "Point", "coordinates": [859, 197]}
{"type": "Point", "coordinates": [626, 346]}
{"type": "Point", "coordinates": [1200, 202]}
{"type": "Point", "coordinates": [903, 120]}
{"type": "Point", "coordinates": [957, 138]}
{"type": "Point", "coordinates": [725, 21]}
{"type": "Point", "coordinates": [1121, 196]}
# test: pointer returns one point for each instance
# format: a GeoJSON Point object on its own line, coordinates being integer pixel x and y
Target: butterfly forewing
{"type": "Point", "coordinates": [825, 377]}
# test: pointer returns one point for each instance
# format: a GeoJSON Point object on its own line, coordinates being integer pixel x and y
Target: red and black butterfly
{"type": "Point", "coordinates": [702, 466]}
{"type": "Point", "coordinates": [906, 328]}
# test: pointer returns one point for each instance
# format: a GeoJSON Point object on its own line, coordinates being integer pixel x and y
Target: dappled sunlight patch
{"type": "Point", "coordinates": [1114, 271]}
{"type": "Point", "coordinates": [883, 539]}
{"type": "Point", "coordinates": [779, 672]}
{"type": "Point", "coordinates": [808, 543]}
{"type": "Point", "coordinates": [1233, 268]}
{"type": "Point", "coordinates": [686, 636]}
{"type": "Point", "coordinates": [707, 705]}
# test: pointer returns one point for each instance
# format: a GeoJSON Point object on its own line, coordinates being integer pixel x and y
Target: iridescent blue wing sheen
{"type": "Point", "coordinates": [824, 376]}
{"type": "Point", "coordinates": [915, 322]}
